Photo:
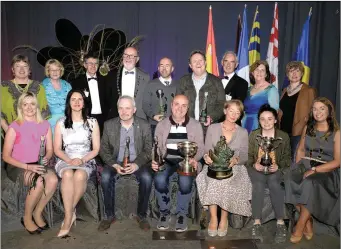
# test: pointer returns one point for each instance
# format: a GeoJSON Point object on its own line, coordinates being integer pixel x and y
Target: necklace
{"type": "Point", "coordinates": [228, 129]}
{"type": "Point", "coordinates": [294, 90]}
{"type": "Point", "coordinates": [20, 89]}
{"type": "Point", "coordinates": [259, 86]}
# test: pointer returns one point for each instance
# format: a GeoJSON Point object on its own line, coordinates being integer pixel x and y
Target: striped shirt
{"type": "Point", "coordinates": [176, 135]}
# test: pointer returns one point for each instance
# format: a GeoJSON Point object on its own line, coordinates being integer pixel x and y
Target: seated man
{"type": "Point", "coordinates": [113, 143]}
{"type": "Point", "coordinates": [170, 131]}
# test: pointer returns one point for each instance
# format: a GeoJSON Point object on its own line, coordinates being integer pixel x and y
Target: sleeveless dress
{"type": "Point", "coordinates": [320, 192]}
{"type": "Point", "coordinates": [252, 103]}
{"type": "Point", "coordinates": [77, 143]}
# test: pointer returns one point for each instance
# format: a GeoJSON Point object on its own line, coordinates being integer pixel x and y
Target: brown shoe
{"type": "Point", "coordinates": [105, 224]}
{"type": "Point", "coordinates": [143, 223]}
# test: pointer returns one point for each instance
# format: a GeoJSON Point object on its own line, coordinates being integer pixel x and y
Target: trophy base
{"type": "Point", "coordinates": [219, 175]}
{"type": "Point", "coordinates": [182, 173]}
{"type": "Point", "coordinates": [161, 168]}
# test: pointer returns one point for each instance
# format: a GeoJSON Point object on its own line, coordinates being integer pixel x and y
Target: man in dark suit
{"type": "Point", "coordinates": [96, 90]}
{"type": "Point", "coordinates": [112, 151]}
{"type": "Point", "coordinates": [130, 81]}
{"type": "Point", "coordinates": [199, 83]}
{"type": "Point", "coordinates": [235, 86]}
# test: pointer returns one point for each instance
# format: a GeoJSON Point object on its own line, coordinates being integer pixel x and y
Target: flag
{"type": "Point", "coordinates": [254, 44]}
{"type": "Point", "coordinates": [243, 57]}
{"type": "Point", "coordinates": [211, 55]}
{"type": "Point", "coordinates": [302, 52]}
{"type": "Point", "coordinates": [239, 28]}
{"type": "Point", "coordinates": [272, 54]}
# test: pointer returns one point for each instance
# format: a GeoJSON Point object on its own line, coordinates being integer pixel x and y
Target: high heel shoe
{"type": "Point", "coordinates": [212, 233]}
{"type": "Point", "coordinates": [37, 231]}
{"type": "Point", "coordinates": [63, 232]}
{"type": "Point", "coordinates": [309, 236]}
{"type": "Point", "coordinates": [295, 239]}
{"type": "Point", "coordinates": [46, 227]}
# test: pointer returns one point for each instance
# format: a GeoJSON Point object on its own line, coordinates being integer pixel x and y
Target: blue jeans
{"type": "Point", "coordinates": [294, 141]}
{"type": "Point", "coordinates": [143, 176]}
{"type": "Point", "coordinates": [161, 181]}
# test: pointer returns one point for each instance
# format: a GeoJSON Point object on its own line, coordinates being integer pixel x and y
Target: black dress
{"type": "Point", "coordinates": [320, 192]}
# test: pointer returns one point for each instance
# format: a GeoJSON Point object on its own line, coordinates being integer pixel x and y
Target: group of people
{"type": "Point", "coordinates": [92, 119]}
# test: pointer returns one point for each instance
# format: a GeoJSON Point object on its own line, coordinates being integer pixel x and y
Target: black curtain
{"type": "Point", "coordinates": [174, 29]}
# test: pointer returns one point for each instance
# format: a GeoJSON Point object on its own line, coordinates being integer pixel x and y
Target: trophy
{"type": "Point", "coordinates": [187, 149]}
{"type": "Point", "coordinates": [126, 154]}
{"type": "Point", "coordinates": [203, 112]}
{"type": "Point", "coordinates": [157, 155]}
{"type": "Point", "coordinates": [42, 152]}
{"type": "Point", "coordinates": [221, 156]}
{"type": "Point", "coordinates": [162, 111]}
{"type": "Point", "coordinates": [267, 145]}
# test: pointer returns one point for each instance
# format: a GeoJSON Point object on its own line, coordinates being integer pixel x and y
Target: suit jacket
{"type": "Point", "coordinates": [216, 95]}
{"type": "Point", "coordinates": [110, 142]}
{"type": "Point", "coordinates": [141, 82]}
{"type": "Point", "coordinates": [81, 83]}
{"type": "Point", "coordinates": [303, 106]}
{"type": "Point", "coordinates": [237, 88]}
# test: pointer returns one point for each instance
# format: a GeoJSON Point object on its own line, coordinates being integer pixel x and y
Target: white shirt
{"type": "Point", "coordinates": [94, 94]}
{"type": "Point", "coordinates": [163, 80]}
{"type": "Point", "coordinates": [128, 82]}
{"type": "Point", "coordinates": [198, 85]}
{"type": "Point", "coordinates": [225, 81]}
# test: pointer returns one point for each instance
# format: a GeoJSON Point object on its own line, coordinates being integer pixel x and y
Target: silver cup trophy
{"type": "Point", "coordinates": [267, 144]}
{"type": "Point", "coordinates": [188, 150]}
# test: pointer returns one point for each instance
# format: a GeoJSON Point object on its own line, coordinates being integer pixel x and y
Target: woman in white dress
{"type": "Point", "coordinates": [76, 144]}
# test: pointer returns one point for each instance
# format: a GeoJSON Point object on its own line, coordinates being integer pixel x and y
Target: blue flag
{"type": "Point", "coordinates": [243, 51]}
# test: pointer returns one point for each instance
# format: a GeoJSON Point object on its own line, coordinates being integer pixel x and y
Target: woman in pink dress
{"type": "Point", "coordinates": [21, 152]}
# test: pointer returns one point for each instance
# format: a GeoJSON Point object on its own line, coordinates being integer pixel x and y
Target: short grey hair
{"type": "Point", "coordinates": [126, 97]}
{"type": "Point", "coordinates": [230, 52]}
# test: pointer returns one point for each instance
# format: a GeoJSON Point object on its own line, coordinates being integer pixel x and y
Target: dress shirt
{"type": "Point", "coordinates": [163, 80]}
{"type": "Point", "coordinates": [128, 82]}
{"type": "Point", "coordinates": [94, 94]}
{"type": "Point", "coordinates": [198, 85]}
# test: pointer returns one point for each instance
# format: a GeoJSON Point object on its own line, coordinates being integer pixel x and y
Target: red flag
{"type": "Point", "coordinates": [211, 54]}
{"type": "Point", "coordinates": [239, 29]}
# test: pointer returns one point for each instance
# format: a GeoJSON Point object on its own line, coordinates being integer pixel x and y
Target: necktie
{"type": "Point", "coordinates": [127, 72]}
{"type": "Point", "coordinates": [92, 78]}
{"type": "Point", "coordinates": [167, 83]}
{"type": "Point", "coordinates": [226, 77]}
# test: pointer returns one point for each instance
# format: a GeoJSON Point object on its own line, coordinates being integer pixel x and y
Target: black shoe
{"type": "Point", "coordinates": [256, 232]}
{"type": "Point", "coordinates": [143, 223]}
{"type": "Point", "coordinates": [181, 224]}
{"type": "Point", "coordinates": [37, 231]}
{"type": "Point", "coordinates": [281, 233]}
{"type": "Point", "coordinates": [163, 223]}
{"type": "Point", "coordinates": [46, 227]}
{"type": "Point", "coordinates": [105, 224]}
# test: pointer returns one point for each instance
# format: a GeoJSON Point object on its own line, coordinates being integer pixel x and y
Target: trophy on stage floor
{"type": "Point", "coordinates": [188, 150]}
{"type": "Point", "coordinates": [267, 144]}
{"type": "Point", "coordinates": [203, 112]}
{"type": "Point", "coordinates": [221, 156]}
{"type": "Point", "coordinates": [126, 154]}
{"type": "Point", "coordinates": [162, 110]}
{"type": "Point", "coordinates": [157, 155]}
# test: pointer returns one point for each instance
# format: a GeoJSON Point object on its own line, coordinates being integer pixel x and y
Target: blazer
{"type": "Point", "coordinates": [81, 83]}
{"type": "Point", "coordinates": [237, 88]}
{"type": "Point", "coordinates": [141, 81]}
{"type": "Point", "coordinates": [110, 142]}
{"type": "Point", "coordinates": [282, 153]}
{"type": "Point", "coordinates": [216, 95]}
{"type": "Point", "coordinates": [303, 106]}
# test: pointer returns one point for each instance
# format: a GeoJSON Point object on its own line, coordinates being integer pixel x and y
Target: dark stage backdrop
{"type": "Point", "coordinates": [174, 29]}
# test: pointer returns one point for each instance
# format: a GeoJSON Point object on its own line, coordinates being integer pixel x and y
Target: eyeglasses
{"type": "Point", "coordinates": [92, 64]}
{"type": "Point", "coordinates": [129, 56]}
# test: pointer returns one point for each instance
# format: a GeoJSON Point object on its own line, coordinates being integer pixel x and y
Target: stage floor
{"type": "Point", "coordinates": [126, 235]}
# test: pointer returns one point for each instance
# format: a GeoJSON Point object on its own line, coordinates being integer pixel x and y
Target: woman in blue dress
{"type": "Point", "coordinates": [56, 90]}
{"type": "Point", "coordinates": [261, 92]}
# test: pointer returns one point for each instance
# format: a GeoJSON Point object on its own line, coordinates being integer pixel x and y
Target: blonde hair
{"type": "Point", "coordinates": [22, 98]}
{"type": "Point", "coordinates": [237, 102]}
{"type": "Point", "coordinates": [53, 62]}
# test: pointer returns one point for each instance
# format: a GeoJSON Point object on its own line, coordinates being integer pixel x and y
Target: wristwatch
{"type": "Point", "coordinates": [313, 169]}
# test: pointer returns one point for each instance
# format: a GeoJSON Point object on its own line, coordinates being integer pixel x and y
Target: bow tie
{"type": "Point", "coordinates": [127, 72]}
{"type": "Point", "coordinates": [226, 77]}
{"type": "Point", "coordinates": [92, 78]}
{"type": "Point", "coordinates": [167, 83]}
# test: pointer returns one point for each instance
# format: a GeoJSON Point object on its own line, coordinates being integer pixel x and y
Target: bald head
{"type": "Point", "coordinates": [179, 108]}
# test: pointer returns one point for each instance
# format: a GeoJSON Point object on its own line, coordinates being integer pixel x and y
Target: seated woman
{"type": "Point", "coordinates": [21, 152]}
{"type": "Point", "coordinates": [281, 159]}
{"type": "Point", "coordinates": [314, 185]}
{"type": "Point", "coordinates": [232, 194]}
{"type": "Point", "coordinates": [78, 134]}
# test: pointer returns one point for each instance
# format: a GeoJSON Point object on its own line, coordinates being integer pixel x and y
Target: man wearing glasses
{"type": "Point", "coordinates": [96, 90]}
{"type": "Point", "coordinates": [131, 82]}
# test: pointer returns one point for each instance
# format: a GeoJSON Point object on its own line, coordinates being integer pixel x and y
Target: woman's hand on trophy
{"type": "Point", "coordinates": [207, 159]}
{"type": "Point", "coordinates": [155, 166]}
{"type": "Point", "coordinates": [273, 168]}
{"type": "Point", "coordinates": [45, 160]}
{"type": "Point", "coordinates": [234, 161]}
{"type": "Point", "coordinates": [194, 163]}
{"type": "Point", "coordinates": [259, 167]}
{"type": "Point", "coordinates": [36, 168]}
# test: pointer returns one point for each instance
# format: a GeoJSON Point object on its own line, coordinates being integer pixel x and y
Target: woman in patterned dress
{"type": "Point", "coordinates": [79, 136]}
{"type": "Point", "coordinates": [232, 194]}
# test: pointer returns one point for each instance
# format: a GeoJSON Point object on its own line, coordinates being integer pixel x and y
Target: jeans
{"type": "Point", "coordinates": [161, 181]}
{"type": "Point", "coordinates": [294, 141]}
{"type": "Point", "coordinates": [143, 176]}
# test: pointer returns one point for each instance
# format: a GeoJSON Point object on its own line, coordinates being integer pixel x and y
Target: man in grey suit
{"type": "Point", "coordinates": [131, 81]}
{"type": "Point", "coordinates": [113, 143]}
{"type": "Point", "coordinates": [199, 83]}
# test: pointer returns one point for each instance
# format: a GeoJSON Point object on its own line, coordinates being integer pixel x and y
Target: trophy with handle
{"type": "Point", "coordinates": [126, 154]}
{"type": "Point", "coordinates": [188, 150]}
{"type": "Point", "coordinates": [203, 112]}
{"type": "Point", "coordinates": [162, 111]}
{"type": "Point", "coordinates": [157, 155]}
{"type": "Point", "coordinates": [42, 152]}
{"type": "Point", "coordinates": [267, 144]}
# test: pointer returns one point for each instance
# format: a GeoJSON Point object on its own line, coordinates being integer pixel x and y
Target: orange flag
{"type": "Point", "coordinates": [211, 54]}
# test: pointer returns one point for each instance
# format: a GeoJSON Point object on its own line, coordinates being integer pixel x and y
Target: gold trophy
{"type": "Point", "coordinates": [187, 149]}
{"type": "Point", "coordinates": [157, 155]}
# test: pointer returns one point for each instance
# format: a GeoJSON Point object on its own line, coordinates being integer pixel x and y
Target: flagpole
{"type": "Point", "coordinates": [311, 11]}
